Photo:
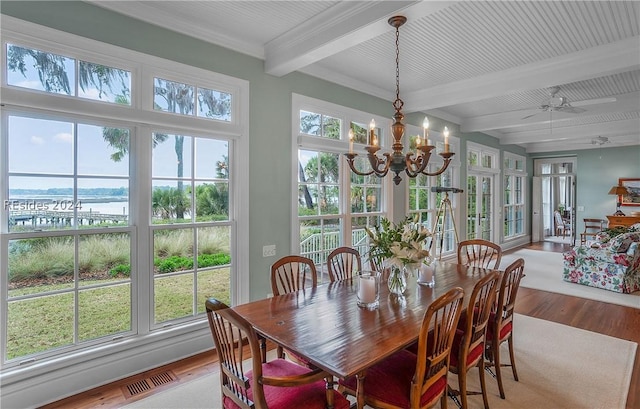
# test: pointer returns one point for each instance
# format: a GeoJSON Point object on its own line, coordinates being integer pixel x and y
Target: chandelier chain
{"type": "Point", "coordinates": [398, 103]}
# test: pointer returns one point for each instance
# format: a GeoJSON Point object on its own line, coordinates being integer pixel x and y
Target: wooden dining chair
{"type": "Point", "coordinates": [343, 262]}
{"type": "Point", "coordinates": [289, 274]}
{"type": "Point", "coordinates": [409, 380]}
{"type": "Point", "coordinates": [293, 273]}
{"type": "Point", "coordinates": [479, 253]}
{"type": "Point", "coordinates": [468, 346]}
{"type": "Point", "coordinates": [591, 229]}
{"type": "Point", "coordinates": [248, 383]}
{"type": "Point", "coordinates": [500, 328]}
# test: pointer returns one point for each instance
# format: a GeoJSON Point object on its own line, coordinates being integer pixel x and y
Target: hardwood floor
{"type": "Point", "coordinates": [609, 319]}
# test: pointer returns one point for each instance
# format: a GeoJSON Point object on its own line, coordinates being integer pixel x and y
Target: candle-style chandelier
{"type": "Point", "coordinates": [412, 163]}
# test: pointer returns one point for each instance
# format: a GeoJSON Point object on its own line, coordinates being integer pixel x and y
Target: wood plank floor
{"type": "Point", "coordinates": [609, 319]}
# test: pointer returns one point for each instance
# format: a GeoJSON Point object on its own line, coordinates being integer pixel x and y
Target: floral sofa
{"type": "Point", "coordinates": [610, 264]}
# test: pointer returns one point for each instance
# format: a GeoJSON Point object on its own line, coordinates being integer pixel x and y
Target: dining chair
{"type": "Point", "coordinates": [591, 229]}
{"type": "Point", "coordinates": [410, 380]}
{"type": "Point", "coordinates": [500, 328]}
{"type": "Point", "coordinates": [249, 383]}
{"type": "Point", "coordinates": [479, 253]}
{"type": "Point", "coordinates": [289, 274]}
{"type": "Point", "coordinates": [292, 273]}
{"type": "Point", "coordinates": [562, 226]}
{"type": "Point", "coordinates": [468, 346]}
{"type": "Point", "coordinates": [343, 262]}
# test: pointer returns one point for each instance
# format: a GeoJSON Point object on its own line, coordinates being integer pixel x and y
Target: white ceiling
{"type": "Point", "coordinates": [482, 64]}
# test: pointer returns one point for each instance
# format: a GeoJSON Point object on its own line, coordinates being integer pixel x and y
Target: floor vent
{"type": "Point", "coordinates": [148, 383]}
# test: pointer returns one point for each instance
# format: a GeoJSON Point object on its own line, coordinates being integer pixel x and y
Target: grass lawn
{"type": "Point", "coordinates": [42, 323]}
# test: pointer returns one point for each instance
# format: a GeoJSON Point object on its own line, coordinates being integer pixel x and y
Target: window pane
{"type": "Point", "coordinates": [41, 203]}
{"type": "Point", "coordinates": [173, 97]}
{"type": "Point", "coordinates": [214, 104]}
{"type": "Point", "coordinates": [212, 158]}
{"type": "Point", "coordinates": [103, 150]}
{"type": "Point", "coordinates": [40, 146]}
{"type": "Point", "coordinates": [171, 155]}
{"type": "Point", "coordinates": [38, 70]}
{"type": "Point", "coordinates": [26, 321]}
{"type": "Point", "coordinates": [212, 201]}
{"type": "Point", "coordinates": [104, 259]}
{"type": "Point", "coordinates": [104, 311]}
{"type": "Point", "coordinates": [171, 201]}
{"type": "Point", "coordinates": [104, 83]}
{"type": "Point", "coordinates": [310, 123]}
{"type": "Point", "coordinates": [360, 133]}
{"type": "Point", "coordinates": [213, 277]}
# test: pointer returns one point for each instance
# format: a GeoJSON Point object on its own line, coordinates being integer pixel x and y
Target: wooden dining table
{"type": "Point", "coordinates": [325, 326]}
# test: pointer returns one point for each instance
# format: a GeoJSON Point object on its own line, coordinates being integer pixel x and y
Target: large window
{"type": "Point", "coordinates": [333, 205]}
{"type": "Point", "coordinates": [514, 195]}
{"type": "Point", "coordinates": [118, 216]}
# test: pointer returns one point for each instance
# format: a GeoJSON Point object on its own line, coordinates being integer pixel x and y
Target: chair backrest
{"type": "Point", "coordinates": [441, 318]}
{"type": "Point", "coordinates": [479, 253]}
{"type": "Point", "coordinates": [292, 273]}
{"type": "Point", "coordinates": [481, 304]}
{"type": "Point", "coordinates": [509, 284]}
{"type": "Point", "coordinates": [559, 220]}
{"type": "Point", "coordinates": [229, 332]}
{"type": "Point", "coordinates": [593, 226]}
{"type": "Point", "coordinates": [343, 262]}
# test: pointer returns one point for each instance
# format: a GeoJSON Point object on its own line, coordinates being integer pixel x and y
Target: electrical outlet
{"type": "Point", "coordinates": [581, 208]}
{"type": "Point", "coordinates": [269, 250]}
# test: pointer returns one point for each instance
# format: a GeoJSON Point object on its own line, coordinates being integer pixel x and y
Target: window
{"type": "Point", "coordinates": [514, 195]}
{"type": "Point", "coordinates": [333, 205]}
{"type": "Point", "coordinates": [113, 228]}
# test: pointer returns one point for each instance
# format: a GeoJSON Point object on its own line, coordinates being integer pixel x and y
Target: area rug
{"type": "Point", "coordinates": [559, 367]}
{"type": "Point", "coordinates": [543, 271]}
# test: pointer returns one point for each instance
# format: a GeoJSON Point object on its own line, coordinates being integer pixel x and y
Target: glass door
{"type": "Point", "coordinates": [480, 199]}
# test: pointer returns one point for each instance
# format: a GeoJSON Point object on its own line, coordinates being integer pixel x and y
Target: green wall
{"type": "Point", "coordinates": [597, 171]}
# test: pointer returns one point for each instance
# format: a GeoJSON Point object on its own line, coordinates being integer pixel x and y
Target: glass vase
{"type": "Point", "coordinates": [397, 280]}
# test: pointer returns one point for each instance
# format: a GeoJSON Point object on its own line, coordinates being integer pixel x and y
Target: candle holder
{"type": "Point", "coordinates": [427, 274]}
{"type": "Point", "coordinates": [368, 292]}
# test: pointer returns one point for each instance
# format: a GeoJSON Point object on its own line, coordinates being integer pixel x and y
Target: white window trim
{"type": "Point", "coordinates": [48, 380]}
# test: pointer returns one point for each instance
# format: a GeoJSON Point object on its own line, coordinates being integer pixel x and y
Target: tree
{"type": "Point", "coordinates": [178, 97]}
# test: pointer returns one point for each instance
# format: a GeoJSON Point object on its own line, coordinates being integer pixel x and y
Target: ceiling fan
{"type": "Point", "coordinates": [600, 140]}
{"type": "Point", "coordinates": [558, 104]}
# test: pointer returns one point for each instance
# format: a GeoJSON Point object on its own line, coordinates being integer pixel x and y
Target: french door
{"type": "Point", "coordinates": [480, 205]}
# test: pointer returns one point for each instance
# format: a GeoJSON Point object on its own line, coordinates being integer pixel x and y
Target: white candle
{"type": "Point", "coordinates": [446, 139]}
{"type": "Point", "coordinates": [372, 134]}
{"type": "Point", "coordinates": [425, 130]}
{"type": "Point", "coordinates": [367, 289]}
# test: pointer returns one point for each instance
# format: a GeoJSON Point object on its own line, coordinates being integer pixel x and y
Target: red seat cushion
{"type": "Point", "coordinates": [311, 396]}
{"type": "Point", "coordinates": [390, 381]}
{"type": "Point", "coordinates": [455, 348]}
{"type": "Point", "coordinates": [503, 332]}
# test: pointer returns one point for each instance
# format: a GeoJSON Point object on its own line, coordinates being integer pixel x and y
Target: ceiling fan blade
{"type": "Point", "coordinates": [570, 110]}
{"type": "Point", "coordinates": [593, 101]}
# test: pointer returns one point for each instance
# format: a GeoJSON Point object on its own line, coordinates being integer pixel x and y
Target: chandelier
{"type": "Point", "coordinates": [412, 163]}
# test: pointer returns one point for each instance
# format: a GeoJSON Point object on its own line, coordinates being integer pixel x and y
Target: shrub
{"type": "Point", "coordinates": [120, 269]}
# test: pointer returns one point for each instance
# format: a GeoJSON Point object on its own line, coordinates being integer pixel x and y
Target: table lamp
{"type": "Point", "coordinates": [619, 191]}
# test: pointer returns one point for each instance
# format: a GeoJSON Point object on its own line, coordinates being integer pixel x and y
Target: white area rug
{"type": "Point", "coordinates": [559, 367]}
{"type": "Point", "coordinates": [543, 271]}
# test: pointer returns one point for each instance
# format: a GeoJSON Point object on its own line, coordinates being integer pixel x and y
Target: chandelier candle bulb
{"type": "Point", "coordinates": [446, 139]}
{"type": "Point", "coordinates": [372, 134]}
{"type": "Point", "coordinates": [425, 130]}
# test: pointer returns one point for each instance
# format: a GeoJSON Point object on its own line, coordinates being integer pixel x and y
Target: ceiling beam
{"type": "Point", "coordinates": [337, 29]}
{"type": "Point", "coordinates": [614, 128]}
{"type": "Point", "coordinates": [608, 59]}
{"type": "Point", "coordinates": [514, 119]}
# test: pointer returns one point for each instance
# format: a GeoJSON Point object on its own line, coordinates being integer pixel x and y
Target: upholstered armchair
{"type": "Point", "coordinates": [613, 265]}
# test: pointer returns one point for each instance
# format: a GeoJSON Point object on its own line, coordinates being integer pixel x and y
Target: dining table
{"type": "Point", "coordinates": [325, 326]}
